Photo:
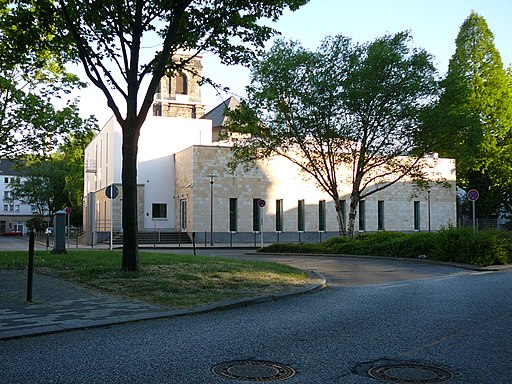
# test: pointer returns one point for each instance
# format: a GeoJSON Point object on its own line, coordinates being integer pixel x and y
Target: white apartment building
{"type": "Point", "coordinates": [13, 214]}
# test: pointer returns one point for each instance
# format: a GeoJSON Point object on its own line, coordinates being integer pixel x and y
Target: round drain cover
{"type": "Point", "coordinates": [410, 373]}
{"type": "Point", "coordinates": [253, 370]}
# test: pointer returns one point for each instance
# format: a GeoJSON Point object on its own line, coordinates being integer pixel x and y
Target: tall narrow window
{"type": "Point", "coordinates": [256, 216]}
{"type": "Point", "coordinates": [301, 215]}
{"type": "Point", "coordinates": [343, 210]}
{"type": "Point", "coordinates": [233, 214]}
{"type": "Point", "coordinates": [279, 215]}
{"type": "Point", "coordinates": [321, 215]}
{"type": "Point", "coordinates": [380, 215]}
{"type": "Point", "coordinates": [362, 215]}
{"type": "Point", "coordinates": [181, 84]}
{"type": "Point", "coordinates": [183, 214]}
{"type": "Point", "coordinates": [416, 215]}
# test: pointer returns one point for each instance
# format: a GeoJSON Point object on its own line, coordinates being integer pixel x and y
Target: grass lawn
{"type": "Point", "coordinates": [178, 281]}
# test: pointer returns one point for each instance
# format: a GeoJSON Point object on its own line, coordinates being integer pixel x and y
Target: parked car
{"type": "Point", "coordinates": [12, 234]}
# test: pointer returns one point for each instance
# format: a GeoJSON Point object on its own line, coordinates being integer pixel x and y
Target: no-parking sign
{"type": "Point", "coordinates": [473, 195]}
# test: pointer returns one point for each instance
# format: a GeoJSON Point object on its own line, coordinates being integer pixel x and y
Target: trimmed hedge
{"type": "Point", "coordinates": [460, 245]}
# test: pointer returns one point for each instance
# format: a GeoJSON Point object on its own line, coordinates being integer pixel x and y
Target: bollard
{"type": "Point", "coordinates": [30, 274]}
{"type": "Point", "coordinates": [194, 242]}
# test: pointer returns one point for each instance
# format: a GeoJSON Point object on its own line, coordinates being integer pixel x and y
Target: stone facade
{"type": "Point", "coordinates": [402, 206]}
{"type": "Point", "coordinates": [181, 100]}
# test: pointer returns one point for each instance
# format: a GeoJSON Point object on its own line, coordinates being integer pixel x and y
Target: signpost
{"type": "Point", "coordinates": [68, 213]}
{"type": "Point", "coordinates": [111, 192]}
{"type": "Point", "coordinates": [261, 204]}
{"type": "Point", "coordinates": [473, 196]}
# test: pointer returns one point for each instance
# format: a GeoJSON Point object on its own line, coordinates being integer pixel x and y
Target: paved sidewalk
{"type": "Point", "coordinates": [59, 305]}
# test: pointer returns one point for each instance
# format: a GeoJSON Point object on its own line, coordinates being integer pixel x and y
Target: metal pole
{"type": "Point", "coordinates": [30, 274]}
{"type": "Point", "coordinates": [474, 216]}
{"type": "Point", "coordinates": [261, 227]}
{"type": "Point", "coordinates": [111, 222]}
{"type": "Point", "coordinates": [211, 210]}
{"type": "Point", "coordinates": [211, 176]}
{"type": "Point", "coordinates": [428, 192]}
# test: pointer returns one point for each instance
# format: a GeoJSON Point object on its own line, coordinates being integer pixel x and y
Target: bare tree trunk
{"type": "Point", "coordinates": [342, 230]}
{"type": "Point", "coordinates": [130, 261]}
{"type": "Point", "coordinates": [354, 200]}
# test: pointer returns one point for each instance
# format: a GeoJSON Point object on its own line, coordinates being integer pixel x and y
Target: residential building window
{"type": "Point", "coordinates": [17, 208]}
{"type": "Point", "coordinates": [362, 215]}
{"type": "Point", "coordinates": [33, 207]}
{"type": "Point", "coordinates": [181, 85]}
{"type": "Point", "coordinates": [321, 215]}
{"type": "Point", "coordinates": [380, 215]}
{"type": "Point", "coordinates": [7, 195]}
{"type": "Point", "coordinates": [416, 215]}
{"type": "Point", "coordinates": [6, 207]}
{"type": "Point", "coordinates": [159, 211]}
{"type": "Point", "coordinates": [233, 214]}
{"type": "Point", "coordinates": [256, 216]}
{"type": "Point", "coordinates": [279, 215]}
{"type": "Point", "coordinates": [11, 207]}
{"type": "Point", "coordinates": [6, 180]}
{"type": "Point", "coordinates": [301, 215]}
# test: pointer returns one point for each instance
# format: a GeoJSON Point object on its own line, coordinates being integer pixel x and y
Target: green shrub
{"type": "Point", "coordinates": [460, 245]}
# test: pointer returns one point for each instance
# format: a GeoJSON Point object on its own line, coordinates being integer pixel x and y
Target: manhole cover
{"type": "Point", "coordinates": [253, 370]}
{"type": "Point", "coordinates": [410, 373]}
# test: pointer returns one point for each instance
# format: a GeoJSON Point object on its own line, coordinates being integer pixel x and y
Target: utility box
{"type": "Point", "coordinates": [59, 228]}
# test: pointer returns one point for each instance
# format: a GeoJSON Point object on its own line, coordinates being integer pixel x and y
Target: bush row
{"type": "Point", "coordinates": [459, 245]}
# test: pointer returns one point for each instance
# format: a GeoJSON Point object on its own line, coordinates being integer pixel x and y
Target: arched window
{"type": "Point", "coordinates": [181, 84]}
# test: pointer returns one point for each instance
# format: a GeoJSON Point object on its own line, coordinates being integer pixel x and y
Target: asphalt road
{"type": "Point", "coordinates": [457, 324]}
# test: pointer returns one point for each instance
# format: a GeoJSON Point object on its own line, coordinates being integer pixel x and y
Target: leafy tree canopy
{"type": "Point", "coordinates": [347, 104]}
{"type": "Point", "coordinates": [32, 73]}
{"type": "Point", "coordinates": [473, 121]}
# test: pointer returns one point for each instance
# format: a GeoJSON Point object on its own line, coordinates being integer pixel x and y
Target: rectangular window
{"type": "Point", "coordinates": [6, 207]}
{"type": "Point", "coordinates": [11, 207]}
{"type": "Point", "coordinates": [7, 195]}
{"type": "Point", "coordinates": [233, 214]}
{"type": "Point", "coordinates": [279, 215]}
{"type": "Point", "coordinates": [416, 215]}
{"type": "Point", "coordinates": [33, 207]}
{"type": "Point", "coordinates": [301, 215]}
{"type": "Point", "coordinates": [159, 211]}
{"type": "Point", "coordinates": [321, 215]}
{"type": "Point", "coordinates": [6, 180]}
{"type": "Point", "coordinates": [256, 216]}
{"type": "Point", "coordinates": [362, 215]}
{"type": "Point", "coordinates": [17, 208]}
{"type": "Point", "coordinates": [380, 215]}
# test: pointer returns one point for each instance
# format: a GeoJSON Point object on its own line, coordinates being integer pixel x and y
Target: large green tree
{"type": "Point", "coordinates": [345, 106]}
{"type": "Point", "coordinates": [55, 181]}
{"type": "Point", "coordinates": [32, 74]}
{"type": "Point", "coordinates": [473, 121]}
{"type": "Point", "coordinates": [112, 38]}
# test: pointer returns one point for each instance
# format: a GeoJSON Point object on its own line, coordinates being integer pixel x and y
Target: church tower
{"type": "Point", "coordinates": [179, 94]}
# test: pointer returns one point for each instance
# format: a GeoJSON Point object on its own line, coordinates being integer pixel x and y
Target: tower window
{"type": "Point", "coordinates": [181, 84]}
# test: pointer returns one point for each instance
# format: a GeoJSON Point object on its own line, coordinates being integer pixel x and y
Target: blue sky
{"type": "Point", "coordinates": [433, 24]}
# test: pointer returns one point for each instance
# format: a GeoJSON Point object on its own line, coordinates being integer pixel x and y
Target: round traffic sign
{"type": "Point", "coordinates": [112, 191]}
{"type": "Point", "coordinates": [261, 203]}
{"type": "Point", "coordinates": [473, 195]}
{"type": "Point", "coordinates": [68, 210]}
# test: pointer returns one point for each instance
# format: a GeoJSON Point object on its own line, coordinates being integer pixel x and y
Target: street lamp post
{"type": "Point", "coordinates": [211, 176]}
